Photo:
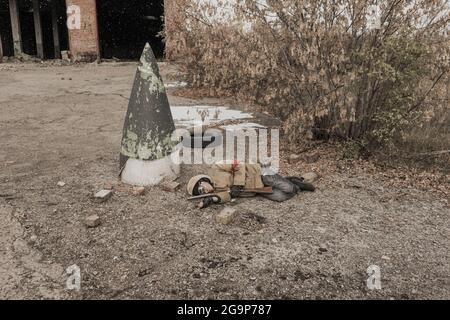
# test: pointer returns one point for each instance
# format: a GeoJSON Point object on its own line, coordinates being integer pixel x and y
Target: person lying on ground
{"type": "Point", "coordinates": [230, 180]}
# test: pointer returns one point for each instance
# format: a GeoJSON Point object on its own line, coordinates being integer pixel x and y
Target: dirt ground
{"type": "Point", "coordinates": [64, 123]}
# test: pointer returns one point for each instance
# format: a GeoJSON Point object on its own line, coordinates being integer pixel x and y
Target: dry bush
{"type": "Point", "coordinates": [319, 65]}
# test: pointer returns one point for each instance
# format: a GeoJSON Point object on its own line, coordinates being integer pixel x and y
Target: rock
{"type": "Point", "coordinates": [385, 258]}
{"type": "Point", "coordinates": [170, 186]}
{"type": "Point", "coordinates": [294, 157]}
{"type": "Point", "coordinates": [33, 239]}
{"type": "Point", "coordinates": [226, 216]}
{"type": "Point", "coordinates": [138, 191]}
{"type": "Point", "coordinates": [61, 184]}
{"type": "Point", "coordinates": [103, 195]}
{"type": "Point", "coordinates": [65, 55]}
{"type": "Point", "coordinates": [323, 248]}
{"type": "Point", "coordinates": [274, 240]}
{"type": "Point", "coordinates": [354, 183]}
{"type": "Point", "coordinates": [108, 186]}
{"type": "Point", "coordinates": [310, 177]}
{"type": "Point", "coordinates": [92, 221]}
{"type": "Point", "coordinates": [311, 158]}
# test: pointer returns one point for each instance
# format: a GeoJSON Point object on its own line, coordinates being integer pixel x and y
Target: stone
{"type": "Point", "coordinates": [92, 221]}
{"type": "Point", "coordinates": [61, 184]}
{"type": "Point", "coordinates": [65, 55]}
{"type": "Point", "coordinates": [138, 191]}
{"type": "Point", "coordinates": [310, 177]}
{"type": "Point", "coordinates": [103, 195]}
{"type": "Point", "coordinates": [108, 186]}
{"type": "Point", "coordinates": [226, 216]}
{"type": "Point", "coordinates": [323, 248]}
{"type": "Point", "coordinates": [33, 239]}
{"type": "Point", "coordinates": [385, 258]}
{"type": "Point", "coordinates": [170, 186]}
{"type": "Point", "coordinates": [311, 158]}
{"type": "Point", "coordinates": [294, 157]}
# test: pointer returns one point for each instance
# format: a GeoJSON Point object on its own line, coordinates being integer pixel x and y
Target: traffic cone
{"type": "Point", "coordinates": [145, 156]}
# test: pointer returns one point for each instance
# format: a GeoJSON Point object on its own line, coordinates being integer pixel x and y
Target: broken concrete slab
{"type": "Point", "coordinates": [103, 195]}
{"type": "Point", "coordinates": [92, 221]}
{"type": "Point", "coordinates": [226, 216]}
{"type": "Point", "coordinates": [170, 186]}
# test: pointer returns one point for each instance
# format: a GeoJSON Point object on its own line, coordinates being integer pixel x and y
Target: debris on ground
{"type": "Point", "coordinates": [294, 158]}
{"type": "Point", "coordinates": [61, 184]}
{"type": "Point", "coordinates": [323, 248]}
{"type": "Point", "coordinates": [170, 186]}
{"type": "Point", "coordinates": [310, 177]}
{"type": "Point", "coordinates": [358, 225]}
{"type": "Point", "coordinates": [103, 195]}
{"type": "Point", "coordinates": [138, 191]}
{"type": "Point", "coordinates": [33, 239]}
{"type": "Point", "coordinates": [92, 221]}
{"type": "Point", "coordinates": [226, 216]}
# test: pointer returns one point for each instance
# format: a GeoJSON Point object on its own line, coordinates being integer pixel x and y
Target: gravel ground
{"type": "Point", "coordinates": [63, 123]}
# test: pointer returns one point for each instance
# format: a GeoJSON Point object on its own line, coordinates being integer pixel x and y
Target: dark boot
{"type": "Point", "coordinates": [303, 186]}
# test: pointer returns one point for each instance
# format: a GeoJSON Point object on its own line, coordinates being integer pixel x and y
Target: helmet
{"type": "Point", "coordinates": [193, 182]}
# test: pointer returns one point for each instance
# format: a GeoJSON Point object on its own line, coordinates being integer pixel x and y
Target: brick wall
{"type": "Point", "coordinates": [83, 42]}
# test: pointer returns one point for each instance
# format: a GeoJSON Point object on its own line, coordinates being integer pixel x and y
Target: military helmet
{"type": "Point", "coordinates": [194, 180]}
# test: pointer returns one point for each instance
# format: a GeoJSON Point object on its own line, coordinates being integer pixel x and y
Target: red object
{"type": "Point", "coordinates": [234, 165]}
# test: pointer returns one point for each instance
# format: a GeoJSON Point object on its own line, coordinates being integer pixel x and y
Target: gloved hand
{"type": "Point", "coordinates": [206, 202]}
{"type": "Point", "coordinates": [235, 191]}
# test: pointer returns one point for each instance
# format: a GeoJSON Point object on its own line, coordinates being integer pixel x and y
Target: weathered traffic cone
{"type": "Point", "coordinates": [146, 143]}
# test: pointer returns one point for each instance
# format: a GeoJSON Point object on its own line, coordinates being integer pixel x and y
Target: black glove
{"type": "Point", "coordinates": [235, 191]}
{"type": "Point", "coordinates": [206, 202]}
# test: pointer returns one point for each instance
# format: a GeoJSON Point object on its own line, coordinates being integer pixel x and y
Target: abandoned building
{"type": "Point", "coordinates": [87, 29]}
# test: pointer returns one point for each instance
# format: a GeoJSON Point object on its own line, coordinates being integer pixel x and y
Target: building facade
{"type": "Point", "coordinates": [87, 29]}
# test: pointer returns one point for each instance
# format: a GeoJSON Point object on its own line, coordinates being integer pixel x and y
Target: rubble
{"type": "Point", "coordinates": [33, 239]}
{"type": "Point", "coordinates": [294, 157]}
{"type": "Point", "coordinates": [103, 195]}
{"type": "Point", "coordinates": [138, 191]}
{"type": "Point", "coordinates": [170, 186]}
{"type": "Point", "coordinates": [92, 221]}
{"type": "Point", "coordinates": [310, 177]}
{"type": "Point", "coordinates": [226, 216]}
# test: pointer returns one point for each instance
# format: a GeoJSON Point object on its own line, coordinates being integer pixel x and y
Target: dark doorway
{"type": "Point", "coordinates": [5, 29]}
{"type": "Point", "coordinates": [27, 27]}
{"type": "Point", "coordinates": [125, 26]}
